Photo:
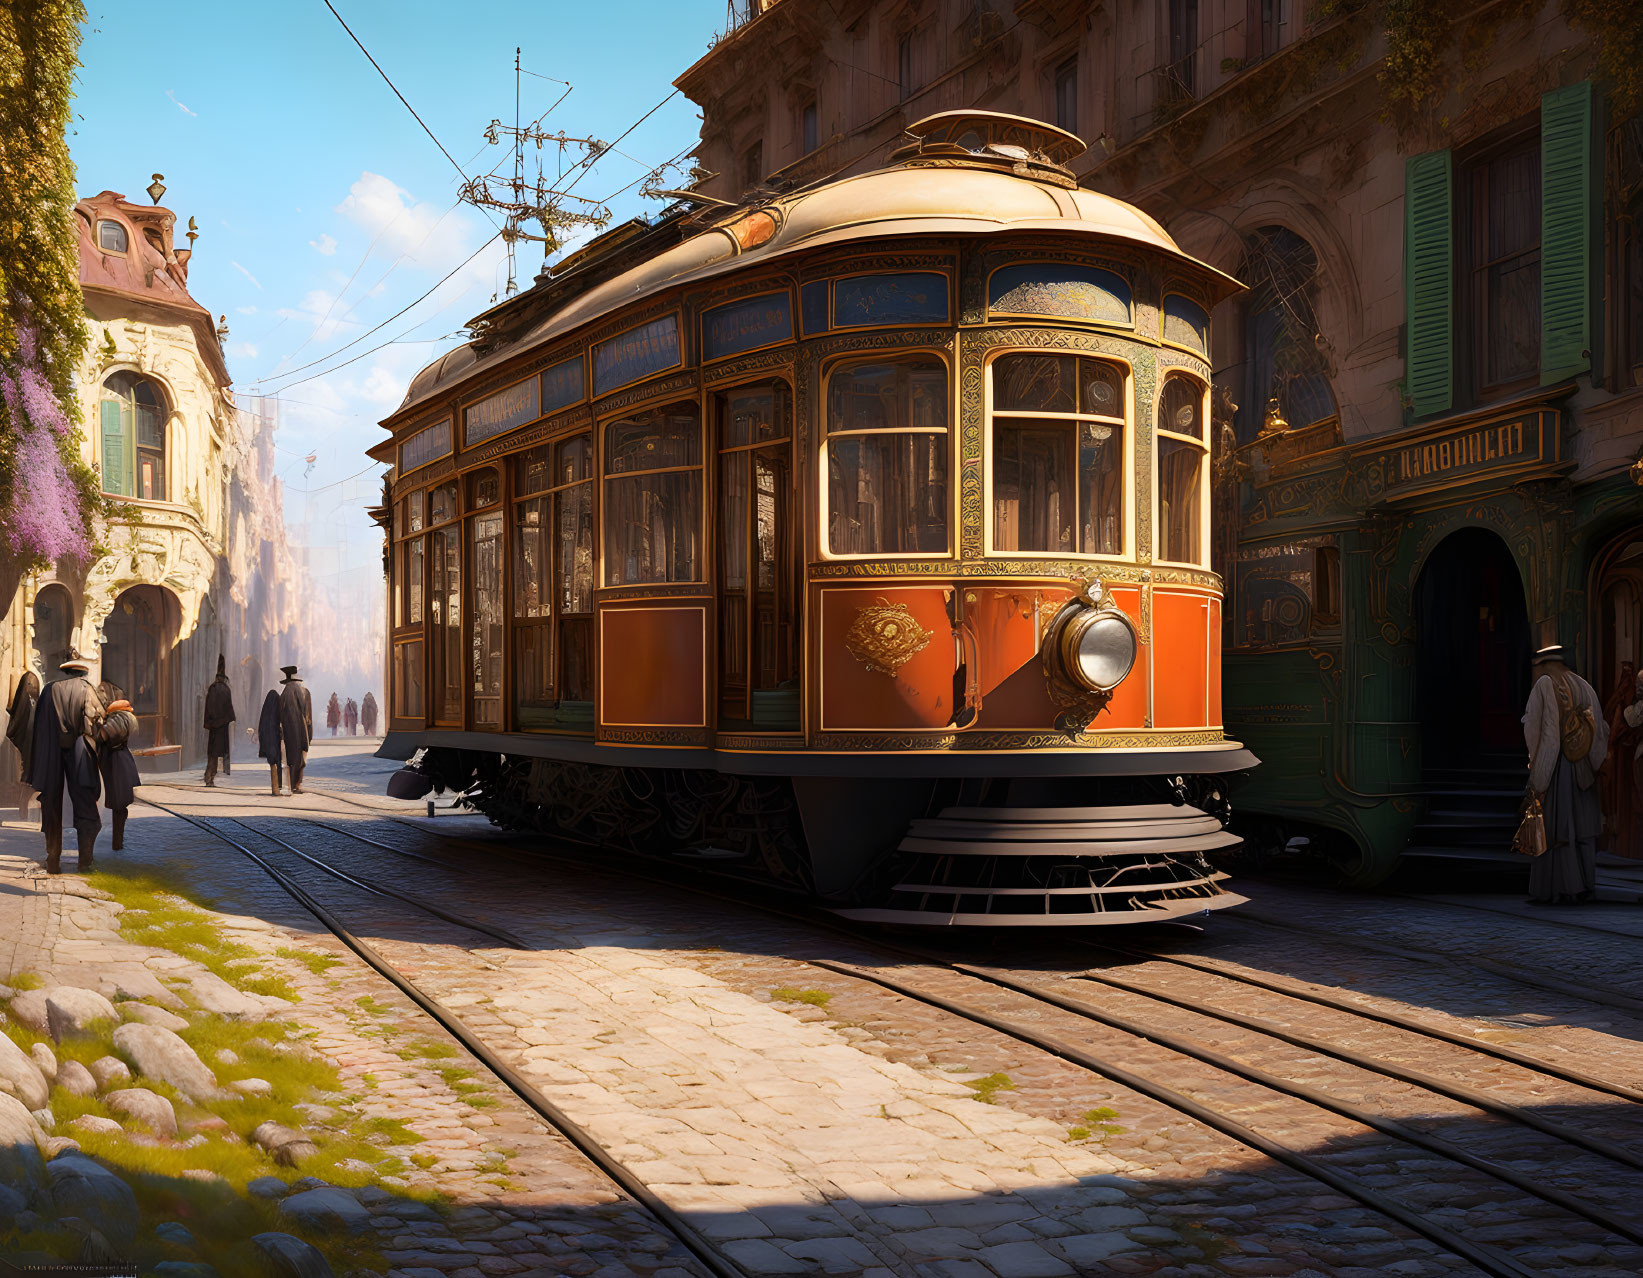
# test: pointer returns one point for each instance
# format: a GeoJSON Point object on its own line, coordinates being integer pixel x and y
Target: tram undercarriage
{"type": "Point", "coordinates": [977, 852]}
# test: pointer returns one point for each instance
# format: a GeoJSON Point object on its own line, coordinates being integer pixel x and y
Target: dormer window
{"type": "Point", "coordinates": [111, 237]}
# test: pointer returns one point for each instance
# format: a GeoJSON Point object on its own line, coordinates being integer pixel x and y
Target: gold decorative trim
{"type": "Point", "coordinates": [773, 359]}
{"type": "Point", "coordinates": [942, 741]}
{"type": "Point", "coordinates": [885, 636]}
{"type": "Point", "coordinates": [670, 384]}
{"type": "Point", "coordinates": [1056, 570]}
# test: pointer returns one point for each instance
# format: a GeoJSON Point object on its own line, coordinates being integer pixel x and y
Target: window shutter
{"type": "Point", "coordinates": [1429, 284]}
{"type": "Point", "coordinates": [1567, 201]}
{"type": "Point", "coordinates": [115, 478]}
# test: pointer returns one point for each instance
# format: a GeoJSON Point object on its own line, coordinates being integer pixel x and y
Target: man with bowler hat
{"type": "Point", "coordinates": [65, 724]}
{"type": "Point", "coordinates": [296, 724]}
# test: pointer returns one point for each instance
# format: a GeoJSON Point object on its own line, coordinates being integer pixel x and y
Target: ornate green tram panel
{"type": "Point", "coordinates": [855, 539]}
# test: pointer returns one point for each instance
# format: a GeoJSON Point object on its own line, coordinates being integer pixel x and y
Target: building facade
{"type": "Point", "coordinates": [195, 565]}
{"type": "Point", "coordinates": [1429, 405]}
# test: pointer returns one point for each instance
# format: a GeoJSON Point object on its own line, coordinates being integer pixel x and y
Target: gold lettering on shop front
{"type": "Point", "coordinates": [1500, 441]}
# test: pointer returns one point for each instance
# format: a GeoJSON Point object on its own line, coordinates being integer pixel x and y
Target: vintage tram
{"type": "Point", "coordinates": [854, 538]}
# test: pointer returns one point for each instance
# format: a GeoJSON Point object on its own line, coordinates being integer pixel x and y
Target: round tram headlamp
{"type": "Point", "coordinates": [1098, 648]}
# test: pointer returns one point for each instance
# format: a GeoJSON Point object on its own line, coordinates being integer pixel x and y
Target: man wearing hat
{"type": "Point", "coordinates": [219, 713]}
{"type": "Point", "coordinates": [1568, 740]}
{"type": "Point", "coordinates": [296, 724]}
{"type": "Point", "coordinates": [65, 723]}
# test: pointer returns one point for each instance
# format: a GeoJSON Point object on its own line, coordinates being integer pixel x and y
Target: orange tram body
{"type": "Point", "coordinates": [853, 539]}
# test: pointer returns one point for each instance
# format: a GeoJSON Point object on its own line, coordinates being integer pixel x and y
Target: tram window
{"type": "Point", "coordinates": [758, 560]}
{"type": "Point", "coordinates": [484, 489]}
{"type": "Point", "coordinates": [887, 457]}
{"type": "Point", "coordinates": [553, 586]}
{"type": "Point", "coordinates": [485, 639]}
{"type": "Point", "coordinates": [445, 630]}
{"type": "Point", "coordinates": [653, 497]}
{"type": "Point", "coordinates": [442, 504]}
{"type": "Point", "coordinates": [1058, 455]}
{"type": "Point", "coordinates": [413, 581]}
{"type": "Point", "coordinates": [408, 701]}
{"type": "Point", "coordinates": [1181, 458]}
{"type": "Point", "coordinates": [408, 557]}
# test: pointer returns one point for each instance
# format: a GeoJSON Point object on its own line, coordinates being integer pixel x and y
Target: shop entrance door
{"type": "Point", "coordinates": [138, 641]}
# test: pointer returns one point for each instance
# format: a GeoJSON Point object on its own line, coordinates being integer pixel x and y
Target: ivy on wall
{"type": "Point", "coordinates": [48, 495]}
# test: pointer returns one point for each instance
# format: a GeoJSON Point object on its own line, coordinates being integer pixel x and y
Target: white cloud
{"type": "Point", "coordinates": [173, 96]}
{"type": "Point", "coordinates": [246, 349]}
{"type": "Point", "coordinates": [325, 245]}
{"type": "Point", "coordinates": [244, 272]}
{"type": "Point", "coordinates": [246, 310]}
{"type": "Point", "coordinates": [403, 227]}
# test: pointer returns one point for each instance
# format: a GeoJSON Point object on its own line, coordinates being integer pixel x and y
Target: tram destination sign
{"type": "Point", "coordinates": [636, 354]}
{"type": "Point", "coordinates": [748, 325]}
{"type": "Point", "coordinates": [1467, 452]}
{"type": "Point", "coordinates": [424, 447]}
{"type": "Point", "coordinates": [509, 407]}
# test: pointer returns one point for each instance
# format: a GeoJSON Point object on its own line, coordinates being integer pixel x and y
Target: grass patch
{"type": "Point", "coordinates": [392, 1129]}
{"type": "Point", "coordinates": [369, 1004]}
{"type": "Point", "coordinates": [425, 1049]}
{"type": "Point", "coordinates": [318, 964]}
{"type": "Point", "coordinates": [454, 1074]}
{"type": "Point", "coordinates": [159, 914]}
{"type": "Point", "coordinates": [26, 981]}
{"type": "Point", "coordinates": [1097, 1124]}
{"type": "Point", "coordinates": [424, 1161]}
{"type": "Point", "coordinates": [815, 998]}
{"type": "Point", "coordinates": [479, 1100]}
{"type": "Point", "coordinates": [987, 1088]}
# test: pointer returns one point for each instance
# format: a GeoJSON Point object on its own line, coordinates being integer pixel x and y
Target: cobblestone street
{"type": "Point", "coordinates": [800, 1118]}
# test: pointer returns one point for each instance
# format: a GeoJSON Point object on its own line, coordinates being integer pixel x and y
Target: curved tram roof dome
{"type": "Point", "coordinates": [960, 173]}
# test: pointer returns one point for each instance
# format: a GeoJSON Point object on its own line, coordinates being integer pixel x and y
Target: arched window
{"type": "Point", "coordinates": [133, 437]}
{"type": "Point", "coordinates": [111, 237]}
{"type": "Point", "coordinates": [1182, 513]}
{"type": "Point", "coordinates": [1288, 375]}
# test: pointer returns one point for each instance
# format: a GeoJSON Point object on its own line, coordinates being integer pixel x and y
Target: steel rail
{"type": "Point", "coordinates": [1565, 1072]}
{"type": "Point", "coordinates": [1489, 1259]}
{"type": "Point", "coordinates": [549, 1112]}
{"type": "Point", "coordinates": [1591, 992]}
{"type": "Point", "coordinates": [1622, 1227]}
{"type": "Point", "coordinates": [410, 898]}
{"type": "Point", "coordinates": [1590, 1212]}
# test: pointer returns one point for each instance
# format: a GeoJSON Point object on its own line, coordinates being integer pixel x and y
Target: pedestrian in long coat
{"type": "Point", "coordinates": [219, 713]}
{"type": "Point", "coordinates": [116, 766]}
{"type": "Point", "coordinates": [1559, 701]}
{"type": "Point", "coordinates": [296, 724]}
{"type": "Point", "coordinates": [368, 715]}
{"type": "Point", "coordinates": [269, 745]}
{"type": "Point", "coordinates": [65, 720]}
{"type": "Point", "coordinates": [20, 718]}
{"type": "Point", "coordinates": [350, 717]}
{"type": "Point", "coordinates": [333, 714]}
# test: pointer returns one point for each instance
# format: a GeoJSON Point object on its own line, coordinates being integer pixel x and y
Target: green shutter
{"type": "Point", "coordinates": [1566, 216]}
{"type": "Point", "coordinates": [1429, 285]}
{"type": "Point", "coordinates": [116, 474]}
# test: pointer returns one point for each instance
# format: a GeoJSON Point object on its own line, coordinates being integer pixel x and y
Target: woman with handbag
{"type": "Point", "coordinates": [1568, 738]}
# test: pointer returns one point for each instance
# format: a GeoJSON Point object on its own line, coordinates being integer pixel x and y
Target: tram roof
{"type": "Point", "coordinates": [908, 199]}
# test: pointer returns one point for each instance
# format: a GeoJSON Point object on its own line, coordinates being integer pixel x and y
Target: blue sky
{"type": "Point", "coordinates": [323, 207]}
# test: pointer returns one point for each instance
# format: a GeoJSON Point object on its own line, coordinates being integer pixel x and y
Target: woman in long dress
{"type": "Point", "coordinates": [117, 767]}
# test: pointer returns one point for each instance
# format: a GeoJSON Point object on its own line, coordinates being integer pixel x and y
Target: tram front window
{"type": "Point", "coordinates": [887, 423]}
{"type": "Point", "coordinates": [1181, 458]}
{"type": "Point", "coordinates": [1058, 455]}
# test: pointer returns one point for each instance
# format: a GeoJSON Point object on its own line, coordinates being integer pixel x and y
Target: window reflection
{"type": "Point", "coordinates": [887, 457]}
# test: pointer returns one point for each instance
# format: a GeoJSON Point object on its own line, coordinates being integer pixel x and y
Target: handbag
{"type": "Point", "coordinates": [1530, 839]}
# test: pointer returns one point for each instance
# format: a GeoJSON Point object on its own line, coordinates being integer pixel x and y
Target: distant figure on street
{"type": "Point", "coordinates": [368, 715]}
{"type": "Point", "coordinates": [116, 766]}
{"type": "Point", "coordinates": [20, 718]}
{"type": "Point", "coordinates": [1568, 738]}
{"type": "Point", "coordinates": [350, 717]}
{"type": "Point", "coordinates": [65, 721]}
{"type": "Point", "coordinates": [296, 723]}
{"type": "Point", "coordinates": [333, 714]}
{"type": "Point", "coordinates": [219, 713]}
{"type": "Point", "coordinates": [1622, 803]}
{"type": "Point", "coordinates": [268, 738]}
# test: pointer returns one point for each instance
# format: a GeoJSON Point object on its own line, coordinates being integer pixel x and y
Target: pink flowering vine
{"type": "Point", "coordinates": [44, 517]}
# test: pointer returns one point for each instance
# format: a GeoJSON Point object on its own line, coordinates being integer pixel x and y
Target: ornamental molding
{"type": "Point", "coordinates": [885, 636]}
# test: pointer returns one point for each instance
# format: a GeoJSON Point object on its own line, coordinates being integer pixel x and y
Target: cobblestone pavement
{"type": "Point", "coordinates": [808, 1122]}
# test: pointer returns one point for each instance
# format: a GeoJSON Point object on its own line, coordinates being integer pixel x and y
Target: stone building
{"type": "Point", "coordinates": [1430, 398]}
{"type": "Point", "coordinates": [196, 565]}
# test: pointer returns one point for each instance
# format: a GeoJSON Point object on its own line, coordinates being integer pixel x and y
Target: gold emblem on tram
{"type": "Point", "coordinates": [885, 636]}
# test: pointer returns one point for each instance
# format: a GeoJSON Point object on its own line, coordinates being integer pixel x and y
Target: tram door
{"type": "Point", "coordinates": [445, 606]}
{"type": "Point", "coordinates": [758, 560]}
{"type": "Point", "coordinates": [486, 608]}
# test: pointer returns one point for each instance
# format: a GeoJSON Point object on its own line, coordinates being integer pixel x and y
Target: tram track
{"type": "Point", "coordinates": [539, 1103]}
{"type": "Point", "coordinates": [1490, 1260]}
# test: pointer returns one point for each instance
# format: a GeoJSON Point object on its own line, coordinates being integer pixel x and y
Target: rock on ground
{"type": "Point", "coordinates": [185, 1269]}
{"type": "Point", "coordinates": [289, 1257]}
{"type": "Point", "coordinates": [327, 1210]}
{"type": "Point", "coordinates": [20, 1077]}
{"type": "Point", "coordinates": [285, 1145]}
{"type": "Point", "coordinates": [21, 1165]}
{"type": "Point", "coordinates": [143, 1106]}
{"type": "Point", "coordinates": [174, 1232]}
{"type": "Point", "coordinates": [45, 1060]}
{"type": "Point", "coordinates": [29, 1008]}
{"type": "Point", "coordinates": [75, 1079]}
{"type": "Point", "coordinates": [158, 1053]}
{"type": "Point", "coordinates": [153, 1016]}
{"type": "Point", "coordinates": [80, 1187]}
{"type": "Point", "coordinates": [213, 994]}
{"type": "Point", "coordinates": [95, 1123]}
{"type": "Point", "coordinates": [108, 1071]}
{"type": "Point", "coordinates": [12, 1205]}
{"type": "Point", "coordinates": [72, 1011]}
